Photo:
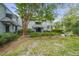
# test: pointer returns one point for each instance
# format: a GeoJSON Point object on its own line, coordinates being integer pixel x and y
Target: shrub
{"type": "Point", "coordinates": [36, 34]}
{"type": "Point", "coordinates": [45, 33]}
{"type": "Point", "coordinates": [57, 30]}
{"type": "Point", "coordinates": [6, 37]}
{"type": "Point", "coordinates": [20, 32]}
{"type": "Point", "coordinates": [0, 35]}
{"type": "Point", "coordinates": [30, 30]}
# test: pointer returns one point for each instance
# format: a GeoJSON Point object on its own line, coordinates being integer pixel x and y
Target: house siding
{"type": "Point", "coordinates": [12, 28]}
{"type": "Point", "coordinates": [2, 28]}
{"type": "Point", "coordinates": [2, 14]}
{"type": "Point", "coordinates": [47, 26]}
{"type": "Point", "coordinates": [31, 25]}
{"type": "Point", "coordinates": [2, 11]}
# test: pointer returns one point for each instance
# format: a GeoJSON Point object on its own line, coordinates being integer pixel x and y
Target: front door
{"type": "Point", "coordinates": [15, 28]}
{"type": "Point", "coordinates": [7, 28]}
{"type": "Point", "coordinates": [38, 29]}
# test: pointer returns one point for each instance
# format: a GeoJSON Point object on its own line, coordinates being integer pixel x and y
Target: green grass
{"type": "Point", "coordinates": [48, 46]}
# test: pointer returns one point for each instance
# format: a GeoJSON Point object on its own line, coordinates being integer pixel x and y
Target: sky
{"type": "Point", "coordinates": [12, 7]}
{"type": "Point", "coordinates": [60, 11]}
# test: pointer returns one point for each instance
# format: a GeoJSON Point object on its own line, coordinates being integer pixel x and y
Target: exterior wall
{"type": "Point", "coordinates": [2, 28]}
{"type": "Point", "coordinates": [2, 14]}
{"type": "Point", "coordinates": [31, 25]}
{"type": "Point", "coordinates": [2, 11]}
{"type": "Point", "coordinates": [12, 28]}
{"type": "Point", "coordinates": [14, 18]}
{"type": "Point", "coordinates": [47, 26]}
{"type": "Point", "coordinates": [17, 21]}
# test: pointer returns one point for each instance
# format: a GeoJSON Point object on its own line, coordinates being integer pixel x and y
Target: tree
{"type": "Point", "coordinates": [34, 11]}
{"type": "Point", "coordinates": [71, 19]}
{"type": "Point", "coordinates": [26, 11]}
{"type": "Point", "coordinates": [76, 28]}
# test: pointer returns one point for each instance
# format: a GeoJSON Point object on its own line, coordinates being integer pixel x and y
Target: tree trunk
{"type": "Point", "coordinates": [25, 25]}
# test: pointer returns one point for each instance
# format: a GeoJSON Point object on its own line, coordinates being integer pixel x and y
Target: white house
{"type": "Point", "coordinates": [9, 22]}
{"type": "Point", "coordinates": [43, 26]}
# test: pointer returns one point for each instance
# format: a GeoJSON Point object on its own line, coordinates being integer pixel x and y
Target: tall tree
{"type": "Point", "coordinates": [34, 11]}
{"type": "Point", "coordinates": [26, 11]}
{"type": "Point", "coordinates": [71, 20]}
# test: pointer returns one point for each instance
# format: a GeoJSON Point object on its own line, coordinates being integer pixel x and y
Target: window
{"type": "Point", "coordinates": [38, 22]}
{"type": "Point", "coordinates": [48, 26]}
{"type": "Point", "coordinates": [9, 15]}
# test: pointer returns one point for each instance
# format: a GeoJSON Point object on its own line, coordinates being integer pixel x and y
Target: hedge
{"type": "Point", "coordinates": [36, 34]}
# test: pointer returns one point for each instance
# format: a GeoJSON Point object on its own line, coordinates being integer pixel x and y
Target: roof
{"type": "Point", "coordinates": [6, 19]}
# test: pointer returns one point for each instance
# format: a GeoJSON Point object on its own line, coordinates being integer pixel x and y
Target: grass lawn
{"type": "Point", "coordinates": [46, 46]}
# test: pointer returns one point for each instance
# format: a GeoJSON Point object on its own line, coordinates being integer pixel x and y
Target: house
{"type": "Point", "coordinates": [40, 26]}
{"type": "Point", "coordinates": [9, 22]}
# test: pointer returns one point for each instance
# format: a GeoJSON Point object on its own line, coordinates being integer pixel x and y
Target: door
{"type": "Point", "coordinates": [7, 28]}
{"type": "Point", "coordinates": [15, 28]}
{"type": "Point", "coordinates": [38, 29]}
